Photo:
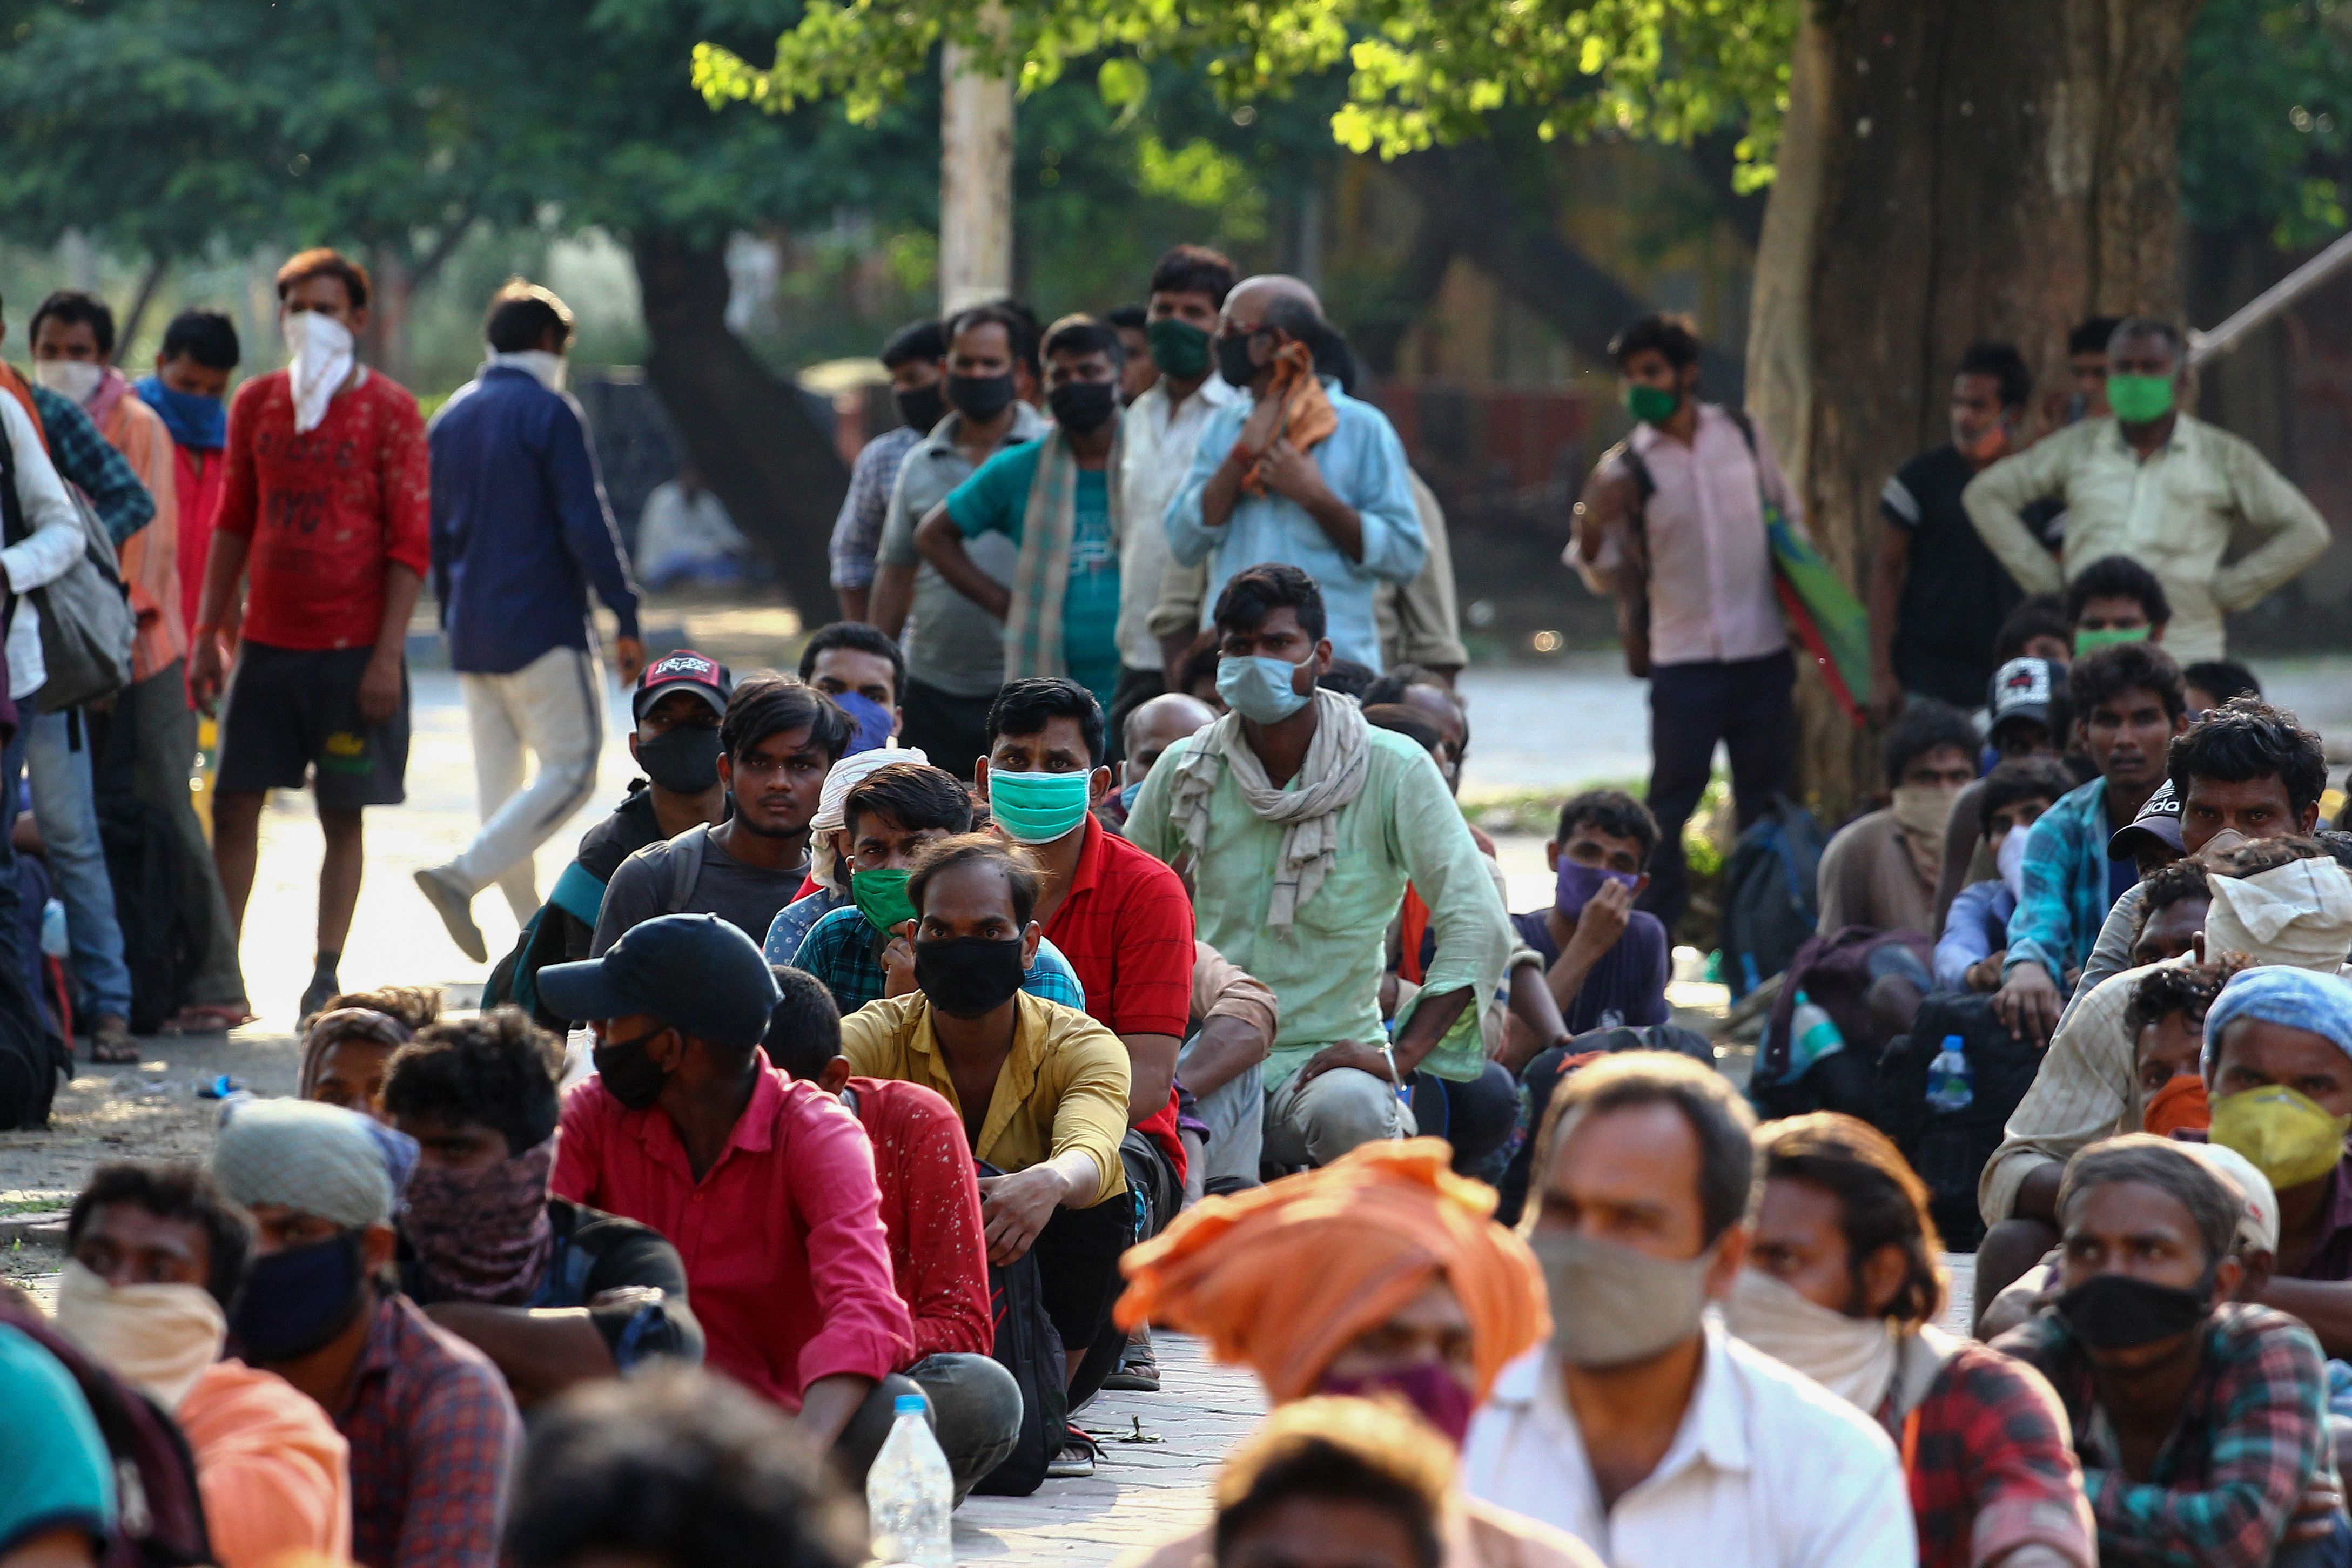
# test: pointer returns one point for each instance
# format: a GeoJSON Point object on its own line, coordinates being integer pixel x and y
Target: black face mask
{"type": "Point", "coordinates": [965, 977]}
{"type": "Point", "coordinates": [921, 407]}
{"type": "Point", "coordinates": [2114, 1312]}
{"type": "Point", "coordinates": [1233, 361]}
{"type": "Point", "coordinates": [682, 760]}
{"type": "Point", "coordinates": [630, 1075]}
{"type": "Point", "coordinates": [298, 1300]}
{"type": "Point", "coordinates": [1083, 407]}
{"type": "Point", "coordinates": [981, 397]}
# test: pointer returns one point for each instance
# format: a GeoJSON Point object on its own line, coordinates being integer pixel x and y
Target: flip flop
{"type": "Point", "coordinates": [113, 1046]}
{"type": "Point", "coordinates": [208, 1017]}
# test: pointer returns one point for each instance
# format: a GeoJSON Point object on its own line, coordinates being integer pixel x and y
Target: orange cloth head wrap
{"type": "Point", "coordinates": [1284, 1277]}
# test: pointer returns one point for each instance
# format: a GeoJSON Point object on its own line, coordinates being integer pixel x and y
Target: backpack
{"type": "Point", "coordinates": [1950, 1148]}
{"type": "Point", "coordinates": [32, 1047]}
{"type": "Point", "coordinates": [87, 627]}
{"type": "Point", "coordinates": [1030, 1348]}
{"type": "Point", "coordinates": [1771, 898]}
{"type": "Point", "coordinates": [1833, 973]}
{"type": "Point", "coordinates": [514, 979]}
{"type": "Point", "coordinates": [160, 1513]}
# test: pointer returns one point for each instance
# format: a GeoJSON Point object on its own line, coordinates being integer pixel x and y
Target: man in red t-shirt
{"type": "Point", "coordinates": [327, 501]}
{"type": "Point", "coordinates": [930, 1209]}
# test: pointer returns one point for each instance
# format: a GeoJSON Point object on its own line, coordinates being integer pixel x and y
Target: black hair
{"type": "Point", "coordinates": [2134, 329]}
{"type": "Point", "coordinates": [414, 1006]}
{"type": "Point", "coordinates": [766, 704]}
{"type": "Point", "coordinates": [1193, 269]}
{"type": "Point", "coordinates": [1347, 1451]}
{"type": "Point", "coordinates": [2337, 843]}
{"type": "Point", "coordinates": [2222, 679]}
{"type": "Point", "coordinates": [177, 1190]}
{"type": "Point", "coordinates": [2099, 677]}
{"type": "Point", "coordinates": [2118, 576]}
{"type": "Point", "coordinates": [2005, 365]}
{"type": "Point", "coordinates": [1201, 660]}
{"type": "Point", "coordinates": [1408, 722]}
{"type": "Point", "coordinates": [1299, 318]}
{"type": "Point", "coordinates": [2176, 882]}
{"type": "Point", "coordinates": [207, 337]}
{"type": "Point", "coordinates": [1083, 335]}
{"type": "Point", "coordinates": [865, 639]}
{"type": "Point", "coordinates": [677, 1467]}
{"type": "Point", "coordinates": [1720, 1120]}
{"type": "Point", "coordinates": [2215, 1206]}
{"type": "Point", "coordinates": [2090, 336]}
{"type": "Point", "coordinates": [804, 1027]}
{"type": "Point", "coordinates": [2021, 778]}
{"type": "Point", "coordinates": [521, 314]}
{"type": "Point", "coordinates": [1669, 332]}
{"type": "Point", "coordinates": [2038, 615]}
{"type": "Point", "coordinates": [2258, 855]}
{"type": "Point", "coordinates": [924, 339]}
{"type": "Point", "coordinates": [1027, 706]}
{"type": "Point", "coordinates": [1020, 869]}
{"type": "Point", "coordinates": [1610, 811]}
{"type": "Point", "coordinates": [2246, 739]}
{"type": "Point", "coordinates": [1401, 679]}
{"type": "Point", "coordinates": [1255, 592]}
{"type": "Point", "coordinates": [2187, 989]}
{"type": "Point", "coordinates": [1925, 725]}
{"type": "Point", "coordinates": [498, 1069]}
{"type": "Point", "coordinates": [1881, 1202]}
{"type": "Point", "coordinates": [72, 305]}
{"type": "Point", "coordinates": [1020, 324]}
{"type": "Point", "coordinates": [1127, 318]}
{"type": "Point", "coordinates": [915, 795]}
{"type": "Point", "coordinates": [1350, 679]}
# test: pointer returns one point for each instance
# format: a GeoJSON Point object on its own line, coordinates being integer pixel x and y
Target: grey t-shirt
{"type": "Point", "coordinates": [744, 895]}
{"type": "Point", "coordinates": [952, 645]}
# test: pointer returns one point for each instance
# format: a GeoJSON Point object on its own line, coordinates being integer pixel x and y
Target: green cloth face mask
{"type": "Point", "coordinates": [2139, 399]}
{"type": "Point", "coordinates": [2087, 641]}
{"type": "Point", "coordinates": [1038, 808]}
{"type": "Point", "coordinates": [1651, 405]}
{"type": "Point", "coordinates": [881, 897]}
{"type": "Point", "coordinates": [1178, 347]}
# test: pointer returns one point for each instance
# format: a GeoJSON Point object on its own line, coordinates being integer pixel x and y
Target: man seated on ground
{"type": "Point", "coordinates": [765, 1186]}
{"type": "Point", "coordinates": [1229, 1033]}
{"type": "Point", "coordinates": [2026, 707]}
{"type": "Point", "coordinates": [553, 1292]}
{"type": "Point", "coordinates": [775, 744]}
{"type": "Point", "coordinates": [862, 952]}
{"type": "Point", "coordinates": [1842, 1284]}
{"type": "Point", "coordinates": [2213, 681]}
{"type": "Point", "coordinates": [1297, 885]}
{"type": "Point", "coordinates": [346, 1052]}
{"type": "Point", "coordinates": [2275, 902]}
{"type": "Point", "coordinates": [1644, 1429]}
{"type": "Point", "coordinates": [2128, 706]}
{"type": "Point", "coordinates": [1042, 1090]}
{"type": "Point", "coordinates": [1880, 870]}
{"type": "Point", "coordinates": [433, 1431]}
{"type": "Point", "coordinates": [2013, 797]}
{"type": "Point", "coordinates": [930, 1211]}
{"type": "Point", "coordinates": [2199, 1420]}
{"type": "Point", "coordinates": [157, 1256]}
{"type": "Point", "coordinates": [2116, 600]}
{"type": "Point", "coordinates": [1152, 726]}
{"type": "Point", "coordinates": [2167, 1022]}
{"type": "Point", "coordinates": [829, 855]}
{"type": "Point", "coordinates": [861, 670]}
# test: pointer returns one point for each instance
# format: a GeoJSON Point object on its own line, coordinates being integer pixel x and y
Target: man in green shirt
{"type": "Point", "coordinates": [1297, 826]}
{"type": "Point", "coordinates": [1051, 497]}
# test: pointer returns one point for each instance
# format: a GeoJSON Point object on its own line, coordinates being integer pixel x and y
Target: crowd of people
{"type": "Point", "coordinates": [1087, 937]}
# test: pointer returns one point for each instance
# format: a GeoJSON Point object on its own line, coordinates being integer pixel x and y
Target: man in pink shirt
{"type": "Point", "coordinates": [765, 1186]}
{"type": "Point", "coordinates": [1672, 522]}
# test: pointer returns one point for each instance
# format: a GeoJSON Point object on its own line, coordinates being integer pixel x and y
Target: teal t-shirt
{"type": "Point", "coordinates": [995, 499]}
{"type": "Point", "coordinates": [55, 1473]}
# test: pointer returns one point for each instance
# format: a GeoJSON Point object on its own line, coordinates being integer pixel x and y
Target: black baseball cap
{"type": "Point", "coordinates": [684, 669]}
{"type": "Point", "coordinates": [2159, 820]}
{"type": "Point", "coordinates": [696, 973]}
{"type": "Point", "coordinates": [2022, 688]}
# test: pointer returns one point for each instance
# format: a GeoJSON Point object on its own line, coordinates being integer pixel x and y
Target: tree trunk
{"type": "Point", "coordinates": [1953, 169]}
{"type": "Point", "coordinates": [752, 436]}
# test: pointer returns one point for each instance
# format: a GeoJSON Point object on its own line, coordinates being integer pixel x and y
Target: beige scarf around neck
{"type": "Point", "coordinates": [1338, 760]}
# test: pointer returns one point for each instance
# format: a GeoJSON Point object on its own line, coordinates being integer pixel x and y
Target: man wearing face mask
{"type": "Point", "coordinates": [1880, 870]}
{"type": "Point", "coordinates": [521, 532]}
{"type": "Point", "coordinates": [915, 357]}
{"type": "Point", "coordinates": [1053, 499]}
{"type": "Point", "coordinates": [766, 1187]}
{"type": "Point", "coordinates": [157, 1258]}
{"type": "Point", "coordinates": [864, 673]}
{"type": "Point", "coordinates": [1152, 726]}
{"type": "Point", "coordinates": [955, 648]}
{"type": "Point", "coordinates": [321, 679]}
{"type": "Point", "coordinates": [830, 855]}
{"type": "Point", "coordinates": [1642, 1428]}
{"type": "Point", "coordinates": [433, 1431]}
{"type": "Point", "coordinates": [2116, 600]}
{"type": "Point", "coordinates": [1975, 937]}
{"type": "Point", "coordinates": [1298, 826]}
{"type": "Point", "coordinates": [1842, 1284]}
{"type": "Point", "coordinates": [2199, 1420]}
{"type": "Point", "coordinates": [1937, 597]}
{"type": "Point", "coordinates": [2149, 482]}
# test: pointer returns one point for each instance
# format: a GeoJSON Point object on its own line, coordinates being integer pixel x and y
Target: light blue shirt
{"type": "Point", "coordinates": [1364, 464]}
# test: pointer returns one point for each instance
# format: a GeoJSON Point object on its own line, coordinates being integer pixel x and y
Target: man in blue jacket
{"type": "Point", "coordinates": [521, 532]}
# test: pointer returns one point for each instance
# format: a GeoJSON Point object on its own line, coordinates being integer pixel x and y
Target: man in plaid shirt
{"type": "Point", "coordinates": [2202, 1422]}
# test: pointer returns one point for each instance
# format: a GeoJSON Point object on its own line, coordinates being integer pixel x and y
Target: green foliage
{"type": "Point", "coordinates": [2266, 112]}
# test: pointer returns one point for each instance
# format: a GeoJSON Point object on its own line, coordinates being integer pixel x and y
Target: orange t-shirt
{"type": "Point", "coordinates": [274, 1472]}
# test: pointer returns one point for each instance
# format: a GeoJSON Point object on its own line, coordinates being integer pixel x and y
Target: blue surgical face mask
{"type": "Point", "coordinates": [1038, 808]}
{"type": "Point", "coordinates": [1577, 883]}
{"type": "Point", "coordinates": [873, 720]}
{"type": "Point", "coordinates": [1258, 687]}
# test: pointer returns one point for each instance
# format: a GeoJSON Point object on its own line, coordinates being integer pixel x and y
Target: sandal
{"type": "Point", "coordinates": [1076, 1461]}
{"type": "Point", "coordinates": [208, 1017]}
{"type": "Point", "coordinates": [113, 1046]}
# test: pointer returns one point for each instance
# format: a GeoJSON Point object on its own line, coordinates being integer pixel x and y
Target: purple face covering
{"type": "Point", "coordinates": [1579, 883]}
{"type": "Point", "coordinates": [1435, 1394]}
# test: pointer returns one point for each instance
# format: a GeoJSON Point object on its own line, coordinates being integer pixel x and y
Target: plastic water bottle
{"type": "Point", "coordinates": [55, 942]}
{"type": "Point", "coordinates": [1951, 1084]}
{"type": "Point", "coordinates": [1812, 1035]}
{"type": "Point", "coordinates": [909, 1494]}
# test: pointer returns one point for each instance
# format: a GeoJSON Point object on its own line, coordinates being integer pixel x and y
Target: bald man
{"type": "Point", "coordinates": [1151, 728]}
{"type": "Point", "coordinates": [1342, 509]}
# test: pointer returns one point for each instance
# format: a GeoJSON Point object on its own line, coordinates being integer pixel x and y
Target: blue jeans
{"type": "Point", "coordinates": [56, 760]}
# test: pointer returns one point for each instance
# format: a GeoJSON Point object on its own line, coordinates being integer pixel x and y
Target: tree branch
{"type": "Point", "coordinates": [139, 303]}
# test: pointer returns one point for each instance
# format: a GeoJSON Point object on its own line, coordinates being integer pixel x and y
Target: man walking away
{"type": "Point", "coordinates": [520, 530]}
{"type": "Point", "coordinates": [2149, 482]}
{"type": "Point", "coordinates": [328, 502]}
{"type": "Point", "coordinates": [915, 357]}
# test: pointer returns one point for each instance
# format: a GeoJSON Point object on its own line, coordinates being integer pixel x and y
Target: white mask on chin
{"type": "Point", "coordinates": [1853, 1358]}
{"type": "Point", "coordinates": [76, 379]}
{"type": "Point", "coordinates": [2009, 860]}
{"type": "Point", "coordinates": [547, 367]}
{"type": "Point", "coordinates": [322, 346]}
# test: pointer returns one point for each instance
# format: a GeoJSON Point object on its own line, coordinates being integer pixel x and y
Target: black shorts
{"type": "Point", "coordinates": [290, 710]}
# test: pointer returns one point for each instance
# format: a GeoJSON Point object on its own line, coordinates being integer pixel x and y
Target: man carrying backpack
{"type": "Point", "coordinates": [1673, 523]}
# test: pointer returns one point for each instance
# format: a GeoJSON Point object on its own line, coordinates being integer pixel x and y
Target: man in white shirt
{"type": "Point", "coordinates": [1642, 1429]}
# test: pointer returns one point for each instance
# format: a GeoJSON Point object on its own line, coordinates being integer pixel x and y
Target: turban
{"type": "Point", "coordinates": [2298, 914]}
{"type": "Point", "coordinates": [312, 1158]}
{"type": "Point", "coordinates": [847, 775]}
{"type": "Point", "coordinates": [1285, 1277]}
{"type": "Point", "coordinates": [2296, 999]}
